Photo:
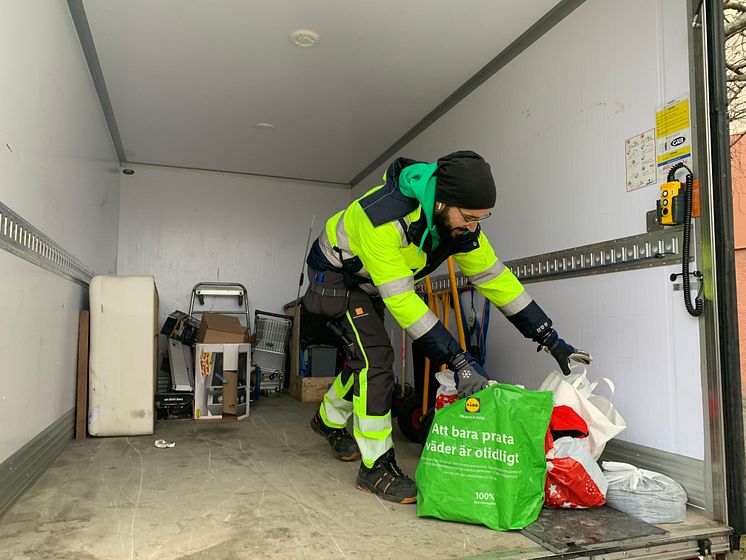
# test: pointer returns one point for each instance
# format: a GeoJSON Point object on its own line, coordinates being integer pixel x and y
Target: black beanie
{"type": "Point", "coordinates": [465, 180]}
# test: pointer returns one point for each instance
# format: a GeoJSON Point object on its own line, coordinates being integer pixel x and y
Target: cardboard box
{"type": "Point", "coordinates": [221, 382]}
{"type": "Point", "coordinates": [309, 389]}
{"type": "Point", "coordinates": [221, 329]}
{"type": "Point", "coordinates": [230, 392]}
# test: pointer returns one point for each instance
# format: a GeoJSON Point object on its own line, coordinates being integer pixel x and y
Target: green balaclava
{"type": "Point", "coordinates": [418, 181]}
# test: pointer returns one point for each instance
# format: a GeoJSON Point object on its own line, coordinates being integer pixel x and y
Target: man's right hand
{"type": "Point", "coordinates": [470, 377]}
{"type": "Point", "coordinates": [563, 352]}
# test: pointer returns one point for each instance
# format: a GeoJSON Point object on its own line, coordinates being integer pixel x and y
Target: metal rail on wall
{"type": "Point", "coordinates": [21, 238]}
{"type": "Point", "coordinates": [646, 250]}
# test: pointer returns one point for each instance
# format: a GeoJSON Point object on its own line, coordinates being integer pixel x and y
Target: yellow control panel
{"type": "Point", "coordinates": [671, 206]}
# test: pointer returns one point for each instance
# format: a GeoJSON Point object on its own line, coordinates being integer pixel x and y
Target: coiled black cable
{"type": "Point", "coordinates": [695, 310]}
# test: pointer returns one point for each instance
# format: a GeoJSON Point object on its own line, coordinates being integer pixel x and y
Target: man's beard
{"type": "Point", "coordinates": [445, 229]}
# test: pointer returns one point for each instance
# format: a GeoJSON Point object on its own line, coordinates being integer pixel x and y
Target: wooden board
{"type": "Point", "coordinates": [581, 530]}
{"type": "Point", "coordinates": [303, 389]}
{"type": "Point", "coordinates": [81, 399]}
{"type": "Point", "coordinates": [295, 342]}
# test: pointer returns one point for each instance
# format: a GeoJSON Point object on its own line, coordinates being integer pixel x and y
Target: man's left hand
{"type": "Point", "coordinates": [563, 352]}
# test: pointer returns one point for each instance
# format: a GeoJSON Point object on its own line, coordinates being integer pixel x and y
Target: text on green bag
{"type": "Point", "coordinates": [484, 437]}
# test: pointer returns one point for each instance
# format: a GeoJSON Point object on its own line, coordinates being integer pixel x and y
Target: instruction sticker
{"type": "Point", "coordinates": [674, 135]}
{"type": "Point", "coordinates": [639, 153]}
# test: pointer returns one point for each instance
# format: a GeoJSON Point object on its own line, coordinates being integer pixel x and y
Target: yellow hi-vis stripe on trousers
{"type": "Point", "coordinates": [372, 433]}
{"type": "Point", "coordinates": [335, 410]}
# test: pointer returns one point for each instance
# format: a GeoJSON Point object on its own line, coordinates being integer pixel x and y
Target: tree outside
{"type": "Point", "coordinates": [735, 55]}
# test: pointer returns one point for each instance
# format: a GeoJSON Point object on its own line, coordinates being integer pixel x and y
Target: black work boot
{"type": "Point", "coordinates": [387, 481]}
{"type": "Point", "coordinates": [340, 440]}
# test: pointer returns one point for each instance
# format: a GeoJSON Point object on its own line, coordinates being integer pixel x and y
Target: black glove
{"type": "Point", "coordinates": [562, 351]}
{"type": "Point", "coordinates": [470, 377]}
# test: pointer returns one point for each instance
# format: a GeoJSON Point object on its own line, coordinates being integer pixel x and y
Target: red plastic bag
{"type": "Point", "coordinates": [565, 422]}
{"type": "Point", "coordinates": [574, 479]}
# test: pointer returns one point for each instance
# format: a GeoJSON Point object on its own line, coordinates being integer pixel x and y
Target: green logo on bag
{"type": "Point", "coordinates": [473, 404]}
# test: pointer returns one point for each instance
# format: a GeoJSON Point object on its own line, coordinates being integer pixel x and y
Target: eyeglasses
{"type": "Point", "coordinates": [472, 219]}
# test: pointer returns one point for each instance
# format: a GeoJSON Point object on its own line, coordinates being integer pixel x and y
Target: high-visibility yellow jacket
{"type": "Point", "coordinates": [375, 242]}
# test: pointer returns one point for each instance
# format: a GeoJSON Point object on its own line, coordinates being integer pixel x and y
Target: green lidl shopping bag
{"type": "Point", "coordinates": [484, 460]}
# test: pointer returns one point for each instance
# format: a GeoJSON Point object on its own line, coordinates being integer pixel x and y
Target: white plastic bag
{"type": "Point", "coordinates": [649, 496]}
{"type": "Point", "coordinates": [579, 393]}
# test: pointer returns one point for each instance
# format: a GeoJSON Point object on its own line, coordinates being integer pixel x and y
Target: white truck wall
{"type": "Point", "coordinates": [185, 226]}
{"type": "Point", "coordinates": [58, 170]}
{"type": "Point", "coordinates": [552, 123]}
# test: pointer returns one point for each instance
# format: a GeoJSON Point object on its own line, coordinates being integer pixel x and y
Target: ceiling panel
{"type": "Point", "coordinates": [189, 80]}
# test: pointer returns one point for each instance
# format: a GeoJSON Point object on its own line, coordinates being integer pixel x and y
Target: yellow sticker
{"type": "Point", "coordinates": [673, 118]}
{"type": "Point", "coordinates": [674, 154]}
{"type": "Point", "coordinates": [472, 404]}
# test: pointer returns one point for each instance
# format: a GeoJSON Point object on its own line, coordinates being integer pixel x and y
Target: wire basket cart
{"type": "Point", "coordinates": [268, 354]}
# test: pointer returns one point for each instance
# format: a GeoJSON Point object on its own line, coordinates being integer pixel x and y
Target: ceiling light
{"type": "Point", "coordinates": [304, 38]}
{"type": "Point", "coordinates": [265, 126]}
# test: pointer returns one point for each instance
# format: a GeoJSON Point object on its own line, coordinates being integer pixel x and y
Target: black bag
{"type": "Point", "coordinates": [327, 294]}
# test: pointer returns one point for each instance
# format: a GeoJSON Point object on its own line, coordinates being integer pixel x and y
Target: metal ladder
{"type": "Point", "coordinates": [221, 289]}
{"type": "Point", "coordinates": [202, 290]}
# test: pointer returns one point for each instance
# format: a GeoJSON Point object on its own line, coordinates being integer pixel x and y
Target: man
{"type": "Point", "coordinates": [368, 258]}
